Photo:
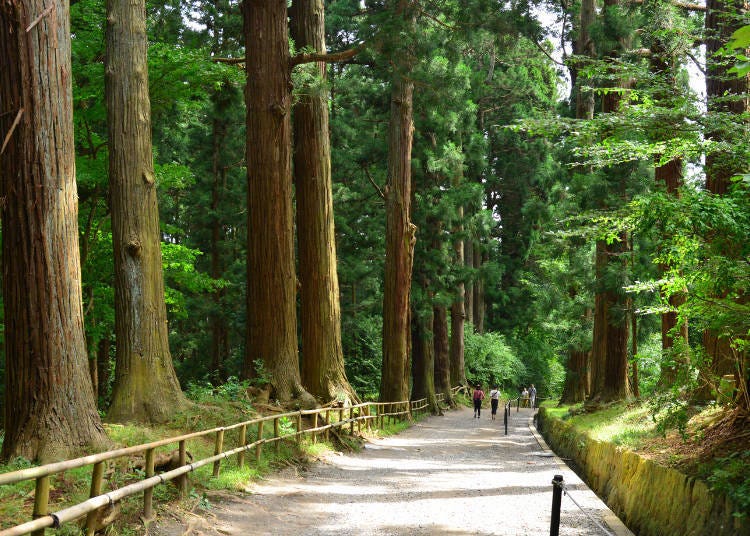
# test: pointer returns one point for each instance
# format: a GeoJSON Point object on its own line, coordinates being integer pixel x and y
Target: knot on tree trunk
{"type": "Point", "coordinates": [133, 248]}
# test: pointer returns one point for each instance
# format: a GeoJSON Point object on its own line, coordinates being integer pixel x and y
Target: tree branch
{"type": "Point", "coordinates": [230, 61]}
{"type": "Point", "coordinates": [372, 181]}
{"type": "Point", "coordinates": [697, 63]}
{"type": "Point", "coordinates": [540, 47]}
{"type": "Point", "coordinates": [676, 3]}
{"type": "Point", "coordinates": [334, 57]}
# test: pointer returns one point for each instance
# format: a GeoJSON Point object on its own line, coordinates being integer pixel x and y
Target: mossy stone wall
{"type": "Point", "coordinates": [651, 500]}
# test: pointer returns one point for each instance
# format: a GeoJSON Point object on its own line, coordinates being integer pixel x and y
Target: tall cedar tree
{"type": "Point", "coordinates": [458, 307]}
{"type": "Point", "coordinates": [442, 356]}
{"type": "Point", "coordinates": [611, 329]}
{"type": "Point", "coordinates": [726, 94]}
{"type": "Point", "coordinates": [423, 355]}
{"type": "Point", "coordinates": [50, 410]}
{"type": "Point", "coordinates": [323, 373]}
{"type": "Point", "coordinates": [577, 377]}
{"type": "Point", "coordinates": [145, 387]}
{"type": "Point", "coordinates": [400, 232]}
{"type": "Point", "coordinates": [271, 279]}
{"type": "Point", "coordinates": [664, 66]}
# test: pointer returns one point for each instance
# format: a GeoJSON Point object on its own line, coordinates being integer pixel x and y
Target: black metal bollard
{"type": "Point", "coordinates": [505, 416]}
{"type": "Point", "coordinates": [518, 404]}
{"type": "Point", "coordinates": [554, 524]}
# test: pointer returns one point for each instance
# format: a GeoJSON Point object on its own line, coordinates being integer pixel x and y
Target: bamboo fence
{"type": "Point", "coordinates": [350, 417]}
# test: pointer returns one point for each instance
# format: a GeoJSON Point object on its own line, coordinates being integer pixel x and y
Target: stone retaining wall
{"type": "Point", "coordinates": [651, 500]}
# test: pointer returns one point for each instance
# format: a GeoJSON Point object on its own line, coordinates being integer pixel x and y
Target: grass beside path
{"type": "Point", "coordinates": [72, 487]}
{"type": "Point", "coordinates": [644, 428]}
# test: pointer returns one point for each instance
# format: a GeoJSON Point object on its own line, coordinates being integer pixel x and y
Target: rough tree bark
{"type": "Point", "coordinates": [442, 353]}
{"type": "Point", "coordinates": [271, 279]}
{"type": "Point", "coordinates": [478, 299]}
{"type": "Point", "coordinates": [400, 238]}
{"type": "Point", "coordinates": [399, 230]}
{"type": "Point", "coordinates": [611, 327]}
{"type": "Point", "coordinates": [727, 94]}
{"type": "Point", "coordinates": [322, 365]}
{"type": "Point", "coordinates": [578, 367]}
{"type": "Point", "coordinates": [423, 358]}
{"type": "Point", "coordinates": [146, 387]}
{"type": "Point", "coordinates": [458, 315]}
{"type": "Point", "coordinates": [468, 260]}
{"type": "Point", "coordinates": [50, 411]}
{"type": "Point", "coordinates": [669, 175]}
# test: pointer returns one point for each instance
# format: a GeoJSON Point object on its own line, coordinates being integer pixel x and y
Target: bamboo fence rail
{"type": "Point", "coordinates": [351, 416]}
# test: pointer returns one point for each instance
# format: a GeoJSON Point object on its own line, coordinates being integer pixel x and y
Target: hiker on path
{"type": "Point", "coordinates": [478, 397]}
{"type": "Point", "coordinates": [525, 398]}
{"type": "Point", "coordinates": [532, 395]}
{"type": "Point", "coordinates": [494, 400]}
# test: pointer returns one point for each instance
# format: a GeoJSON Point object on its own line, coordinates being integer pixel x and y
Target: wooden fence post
{"type": "Point", "coordinates": [299, 428]}
{"type": "Point", "coordinates": [182, 483]}
{"type": "Point", "coordinates": [148, 494]}
{"type": "Point", "coordinates": [243, 443]}
{"type": "Point", "coordinates": [97, 476]}
{"type": "Point", "coordinates": [276, 434]}
{"type": "Point", "coordinates": [315, 425]}
{"type": "Point", "coordinates": [259, 440]}
{"type": "Point", "coordinates": [41, 501]}
{"type": "Point", "coordinates": [218, 449]}
{"type": "Point", "coordinates": [328, 424]}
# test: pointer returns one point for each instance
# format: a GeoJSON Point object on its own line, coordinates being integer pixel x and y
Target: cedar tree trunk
{"type": "Point", "coordinates": [423, 360]}
{"type": "Point", "coordinates": [146, 387]}
{"type": "Point", "coordinates": [323, 373]}
{"type": "Point", "coordinates": [442, 355]}
{"type": "Point", "coordinates": [271, 279]}
{"type": "Point", "coordinates": [50, 411]}
{"type": "Point", "coordinates": [468, 260]}
{"type": "Point", "coordinates": [399, 234]}
{"type": "Point", "coordinates": [726, 93]}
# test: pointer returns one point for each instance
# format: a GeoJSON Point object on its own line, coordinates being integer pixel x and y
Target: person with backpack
{"type": "Point", "coordinates": [478, 397]}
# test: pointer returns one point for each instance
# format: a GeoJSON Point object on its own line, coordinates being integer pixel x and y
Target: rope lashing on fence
{"type": "Point", "coordinates": [560, 484]}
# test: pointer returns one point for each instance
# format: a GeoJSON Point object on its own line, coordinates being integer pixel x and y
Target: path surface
{"type": "Point", "coordinates": [450, 475]}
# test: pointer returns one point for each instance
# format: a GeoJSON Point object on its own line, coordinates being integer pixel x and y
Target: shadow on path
{"type": "Point", "coordinates": [448, 475]}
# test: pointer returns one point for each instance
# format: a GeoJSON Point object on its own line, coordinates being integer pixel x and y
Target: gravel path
{"type": "Point", "coordinates": [449, 475]}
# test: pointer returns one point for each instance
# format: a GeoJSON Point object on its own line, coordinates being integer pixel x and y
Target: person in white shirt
{"type": "Point", "coordinates": [532, 395]}
{"type": "Point", "coordinates": [494, 400]}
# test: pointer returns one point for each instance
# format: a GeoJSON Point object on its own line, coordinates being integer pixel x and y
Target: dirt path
{"type": "Point", "coordinates": [449, 475]}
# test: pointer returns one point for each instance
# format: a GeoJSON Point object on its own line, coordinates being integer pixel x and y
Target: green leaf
{"type": "Point", "coordinates": [740, 39]}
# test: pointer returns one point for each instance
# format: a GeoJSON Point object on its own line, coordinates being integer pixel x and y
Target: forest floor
{"type": "Point", "coordinates": [448, 475]}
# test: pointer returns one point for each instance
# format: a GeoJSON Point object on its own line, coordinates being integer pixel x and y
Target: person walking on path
{"type": "Point", "coordinates": [494, 400]}
{"type": "Point", "coordinates": [478, 397]}
{"type": "Point", "coordinates": [525, 398]}
{"type": "Point", "coordinates": [532, 395]}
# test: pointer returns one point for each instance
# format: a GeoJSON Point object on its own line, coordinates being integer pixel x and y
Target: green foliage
{"type": "Point", "coordinates": [729, 476]}
{"type": "Point", "coordinates": [363, 353]}
{"type": "Point", "coordinates": [649, 363]}
{"type": "Point", "coordinates": [491, 361]}
{"type": "Point", "coordinates": [737, 47]}
{"type": "Point", "coordinates": [232, 390]}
